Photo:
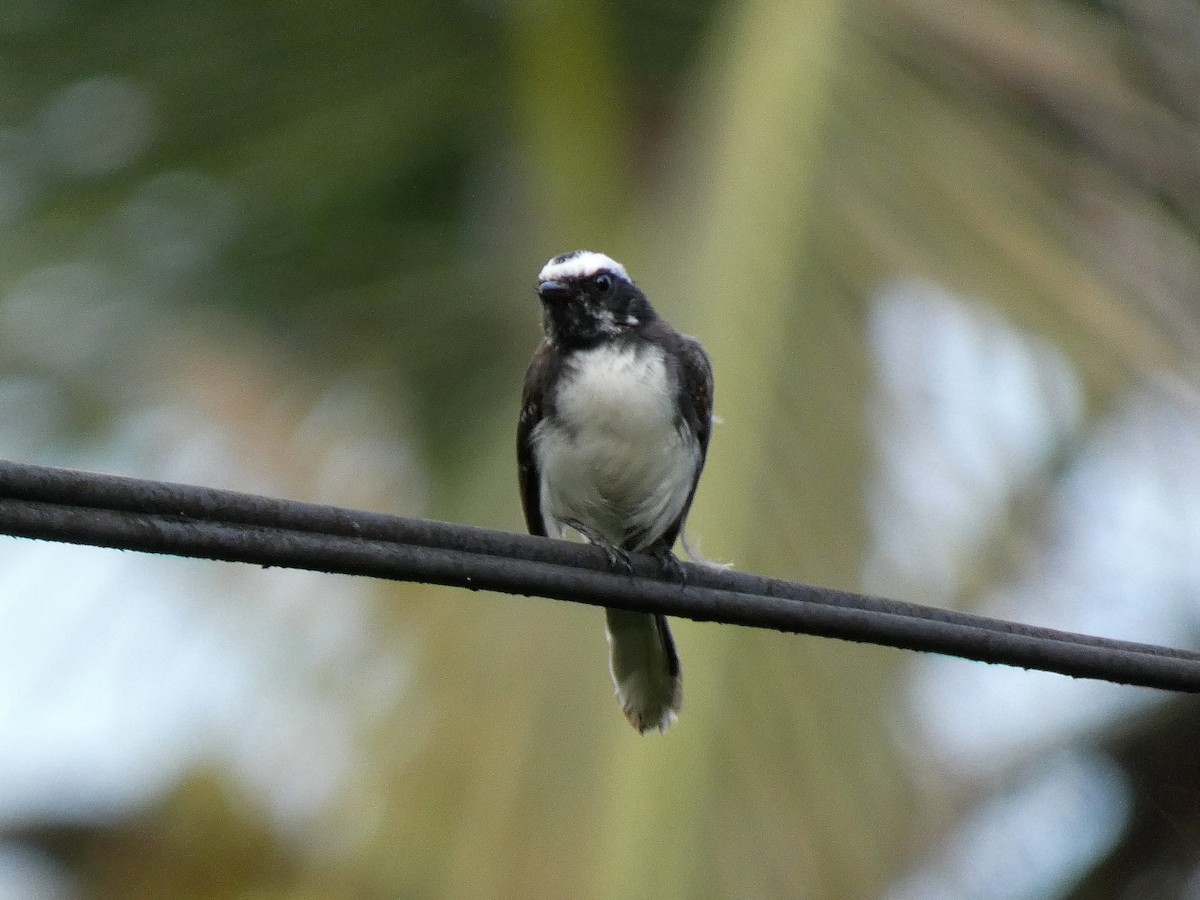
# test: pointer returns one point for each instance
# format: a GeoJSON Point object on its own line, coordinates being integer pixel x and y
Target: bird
{"type": "Point", "coordinates": [613, 433]}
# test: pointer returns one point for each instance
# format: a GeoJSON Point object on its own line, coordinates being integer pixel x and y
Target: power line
{"type": "Point", "coordinates": [185, 520]}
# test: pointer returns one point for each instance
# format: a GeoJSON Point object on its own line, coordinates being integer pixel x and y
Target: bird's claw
{"type": "Point", "coordinates": [617, 558]}
{"type": "Point", "coordinates": [672, 568]}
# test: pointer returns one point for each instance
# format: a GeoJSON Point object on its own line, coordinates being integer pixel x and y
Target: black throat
{"type": "Point", "coordinates": [587, 318]}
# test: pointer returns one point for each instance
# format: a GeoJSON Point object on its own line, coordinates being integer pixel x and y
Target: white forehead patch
{"type": "Point", "coordinates": [581, 264]}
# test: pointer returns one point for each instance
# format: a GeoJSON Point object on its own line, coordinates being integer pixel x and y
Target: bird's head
{"type": "Point", "coordinates": [588, 298]}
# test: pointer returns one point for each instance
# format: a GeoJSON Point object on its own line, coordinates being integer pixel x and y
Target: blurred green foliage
{"type": "Point", "coordinates": [398, 172]}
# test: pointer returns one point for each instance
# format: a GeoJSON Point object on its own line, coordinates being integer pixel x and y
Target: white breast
{"type": "Point", "coordinates": [613, 457]}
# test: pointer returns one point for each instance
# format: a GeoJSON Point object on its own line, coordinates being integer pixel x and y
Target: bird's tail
{"type": "Point", "coordinates": [645, 668]}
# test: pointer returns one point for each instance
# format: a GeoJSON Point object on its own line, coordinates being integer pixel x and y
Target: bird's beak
{"type": "Point", "coordinates": [553, 290]}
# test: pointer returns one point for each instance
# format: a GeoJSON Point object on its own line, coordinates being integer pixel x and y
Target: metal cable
{"type": "Point", "coordinates": [184, 520]}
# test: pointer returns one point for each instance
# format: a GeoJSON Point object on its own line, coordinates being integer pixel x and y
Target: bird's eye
{"type": "Point", "coordinates": [603, 282]}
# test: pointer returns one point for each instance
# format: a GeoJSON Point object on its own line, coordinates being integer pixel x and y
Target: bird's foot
{"type": "Point", "coordinates": [672, 568]}
{"type": "Point", "coordinates": [617, 558]}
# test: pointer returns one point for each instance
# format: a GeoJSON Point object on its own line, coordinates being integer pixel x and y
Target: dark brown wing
{"type": "Point", "coordinates": [533, 407]}
{"type": "Point", "coordinates": [696, 393]}
{"type": "Point", "coordinates": [695, 404]}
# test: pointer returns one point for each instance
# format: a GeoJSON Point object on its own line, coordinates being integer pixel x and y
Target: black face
{"type": "Point", "coordinates": [588, 309]}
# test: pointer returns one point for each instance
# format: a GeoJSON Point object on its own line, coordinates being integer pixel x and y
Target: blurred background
{"type": "Point", "coordinates": [944, 257]}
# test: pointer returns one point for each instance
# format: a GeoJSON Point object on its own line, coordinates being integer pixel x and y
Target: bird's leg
{"type": "Point", "coordinates": [617, 558]}
{"type": "Point", "coordinates": [672, 568]}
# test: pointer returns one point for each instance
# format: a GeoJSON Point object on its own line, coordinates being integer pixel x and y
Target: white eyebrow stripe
{"type": "Point", "coordinates": [581, 265]}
